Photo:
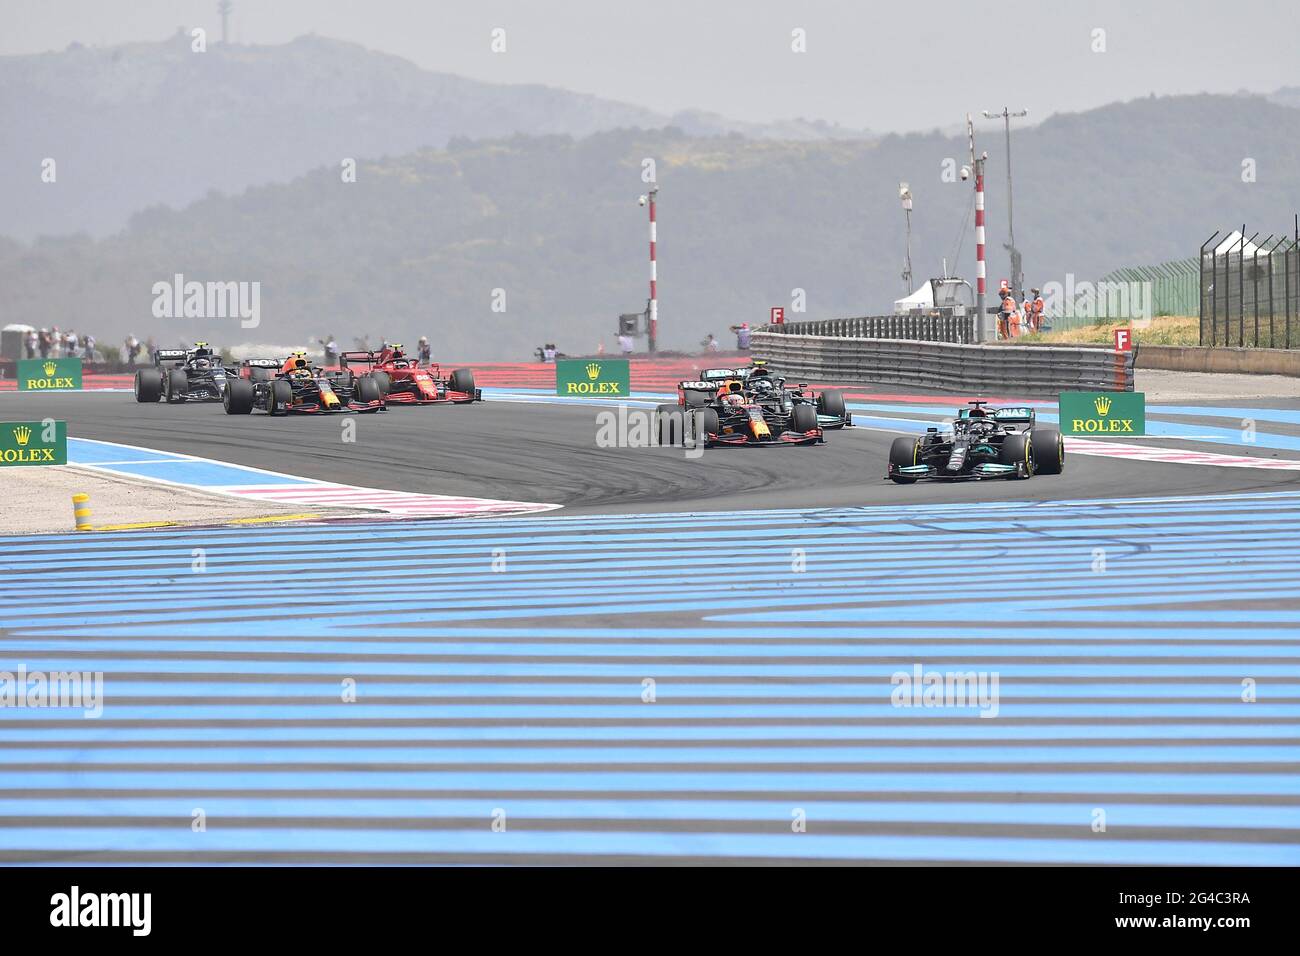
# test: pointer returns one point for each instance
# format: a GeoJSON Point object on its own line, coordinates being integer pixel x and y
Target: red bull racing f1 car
{"type": "Point", "coordinates": [980, 443]}
{"type": "Point", "coordinates": [297, 386]}
{"type": "Point", "coordinates": [750, 406]}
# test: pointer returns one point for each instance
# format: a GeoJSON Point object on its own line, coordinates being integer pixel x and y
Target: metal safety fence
{"type": "Point", "coordinates": [928, 328]}
{"type": "Point", "coordinates": [1125, 295]}
{"type": "Point", "coordinates": [1171, 286]}
{"type": "Point", "coordinates": [1250, 290]}
{"type": "Point", "coordinates": [977, 369]}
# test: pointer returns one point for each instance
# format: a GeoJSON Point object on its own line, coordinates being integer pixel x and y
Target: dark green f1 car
{"type": "Point", "coordinates": [981, 443]}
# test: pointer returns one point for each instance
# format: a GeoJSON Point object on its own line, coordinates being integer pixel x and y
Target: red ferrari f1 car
{"type": "Point", "coordinates": [403, 381]}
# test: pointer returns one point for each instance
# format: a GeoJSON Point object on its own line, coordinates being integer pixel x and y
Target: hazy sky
{"type": "Point", "coordinates": [887, 66]}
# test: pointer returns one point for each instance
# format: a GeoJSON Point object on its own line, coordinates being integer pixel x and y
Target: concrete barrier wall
{"type": "Point", "coordinates": [944, 366]}
{"type": "Point", "coordinates": [1192, 358]}
{"type": "Point", "coordinates": [1196, 358]}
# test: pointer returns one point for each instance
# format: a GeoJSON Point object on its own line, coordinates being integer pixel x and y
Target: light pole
{"type": "Point", "coordinates": [653, 332]}
{"type": "Point", "coordinates": [1017, 274]}
{"type": "Point", "coordinates": [224, 8]}
{"type": "Point", "coordinates": [905, 194]}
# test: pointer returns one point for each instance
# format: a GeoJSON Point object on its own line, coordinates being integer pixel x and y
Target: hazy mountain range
{"type": "Point", "coordinates": [545, 223]}
{"type": "Point", "coordinates": [147, 123]}
{"type": "Point", "coordinates": [1286, 96]}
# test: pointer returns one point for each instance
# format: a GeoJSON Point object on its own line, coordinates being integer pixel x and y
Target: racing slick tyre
{"type": "Point", "coordinates": [148, 385]}
{"type": "Point", "coordinates": [1017, 450]}
{"type": "Point", "coordinates": [367, 389]}
{"type": "Point", "coordinates": [832, 403]}
{"type": "Point", "coordinates": [670, 424]}
{"type": "Point", "coordinates": [462, 380]}
{"type": "Point", "coordinates": [383, 380]}
{"type": "Point", "coordinates": [1048, 449]}
{"type": "Point", "coordinates": [904, 453]}
{"type": "Point", "coordinates": [803, 418]}
{"type": "Point", "coordinates": [178, 384]}
{"type": "Point", "coordinates": [238, 398]}
{"type": "Point", "coordinates": [705, 423]}
{"type": "Point", "coordinates": [279, 396]}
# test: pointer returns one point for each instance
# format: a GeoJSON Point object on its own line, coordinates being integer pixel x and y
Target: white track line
{"type": "Point", "coordinates": [312, 491]}
{"type": "Point", "coordinates": [1181, 456]}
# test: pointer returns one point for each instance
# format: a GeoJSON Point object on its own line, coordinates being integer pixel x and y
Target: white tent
{"type": "Point", "coordinates": [13, 339]}
{"type": "Point", "coordinates": [922, 298]}
{"type": "Point", "coordinates": [1233, 243]}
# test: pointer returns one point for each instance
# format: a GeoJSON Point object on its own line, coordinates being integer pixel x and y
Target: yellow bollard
{"type": "Point", "coordinates": [81, 511]}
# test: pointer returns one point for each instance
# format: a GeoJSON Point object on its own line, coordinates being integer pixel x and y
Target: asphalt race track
{"type": "Point", "coordinates": [693, 661]}
{"type": "Point", "coordinates": [547, 453]}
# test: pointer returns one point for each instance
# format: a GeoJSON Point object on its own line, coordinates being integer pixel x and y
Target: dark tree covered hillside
{"type": "Point", "coordinates": [419, 243]}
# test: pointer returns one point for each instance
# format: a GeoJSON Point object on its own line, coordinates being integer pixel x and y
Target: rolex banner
{"type": "Point", "coordinates": [607, 378]}
{"type": "Point", "coordinates": [1120, 414]}
{"type": "Point", "coordinates": [34, 443]}
{"type": "Point", "coordinates": [48, 374]}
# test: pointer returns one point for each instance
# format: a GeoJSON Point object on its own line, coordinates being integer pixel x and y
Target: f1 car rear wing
{"type": "Point", "coordinates": [1016, 415]}
{"type": "Point", "coordinates": [168, 355]}
{"type": "Point", "coordinates": [361, 357]}
{"type": "Point", "coordinates": [712, 388]}
{"type": "Point", "coordinates": [275, 364]}
{"type": "Point", "coordinates": [372, 360]}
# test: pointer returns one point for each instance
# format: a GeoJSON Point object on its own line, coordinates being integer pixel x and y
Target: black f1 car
{"type": "Point", "coordinates": [297, 386]}
{"type": "Point", "coordinates": [183, 375]}
{"type": "Point", "coordinates": [981, 443]}
{"type": "Point", "coordinates": [748, 406]}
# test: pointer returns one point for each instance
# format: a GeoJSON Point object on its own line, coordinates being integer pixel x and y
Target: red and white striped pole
{"type": "Point", "coordinates": [980, 269]}
{"type": "Point", "coordinates": [982, 331]}
{"type": "Point", "coordinates": [654, 271]}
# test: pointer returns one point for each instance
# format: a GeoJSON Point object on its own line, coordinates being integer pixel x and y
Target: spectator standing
{"type": "Point", "coordinates": [331, 348]}
{"type": "Point", "coordinates": [742, 336]}
{"type": "Point", "coordinates": [549, 353]}
{"type": "Point", "coordinates": [33, 343]}
{"type": "Point", "coordinates": [45, 341]}
{"type": "Point", "coordinates": [88, 347]}
{"type": "Point", "coordinates": [625, 344]}
{"type": "Point", "coordinates": [425, 351]}
{"type": "Point", "coordinates": [71, 339]}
